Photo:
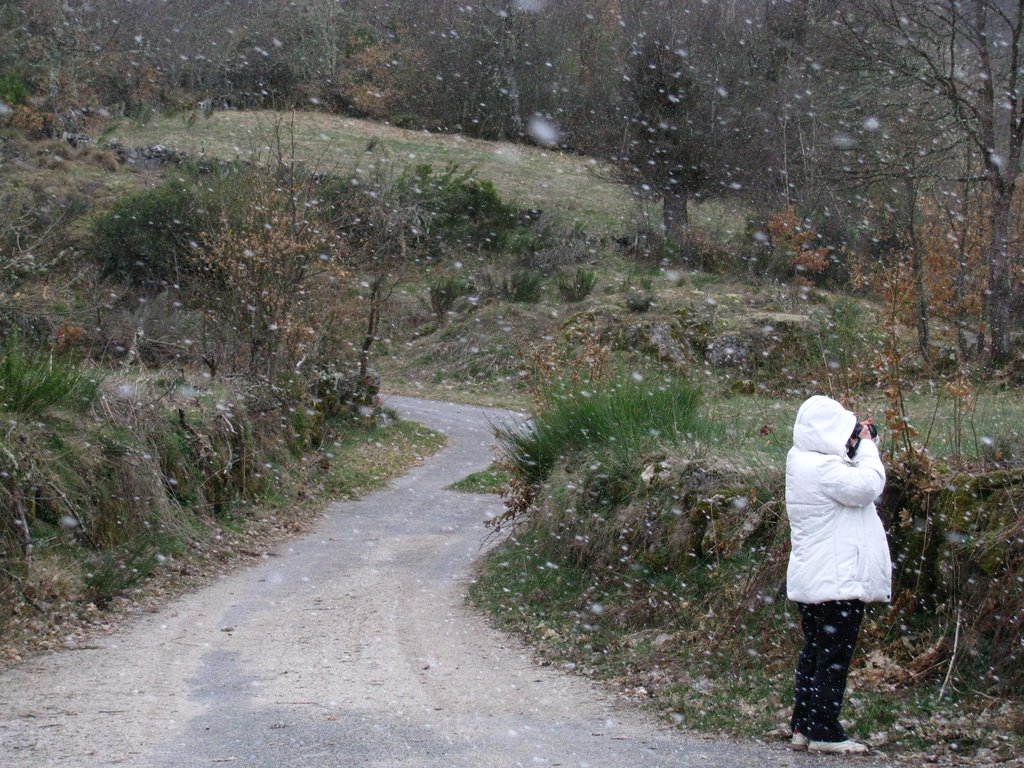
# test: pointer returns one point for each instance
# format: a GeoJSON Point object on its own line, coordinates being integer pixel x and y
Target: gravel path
{"type": "Point", "coordinates": [351, 646]}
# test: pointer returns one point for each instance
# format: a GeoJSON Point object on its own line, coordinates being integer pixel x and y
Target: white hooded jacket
{"type": "Point", "coordinates": [839, 548]}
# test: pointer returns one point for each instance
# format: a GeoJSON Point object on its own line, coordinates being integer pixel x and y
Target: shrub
{"type": "Point", "coordinates": [702, 252]}
{"type": "Point", "coordinates": [523, 287]}
{"type": "Point", "coordinates": [445, 292]}
{"type": "Point", "coordinates": [13, 89]}
{"type": "Point", "coordinates": [33, 123]}
{"type": "Point", "coordinates": [487, 285]}
{"type": "Point", "coordinates": [31, 383]}
{"type": "Point", "coordinates": [268, 272]}
{"type": "Point", "coordinates": [577, 287]}
{"type": "Point", "coordinates": [639, 300]}
{"type": "Point", "coordinates": [794, 240]}
{"type": "Point", "coordinates": [146, 238]}
{"type": "Point", "coordinates": [844, 337]}
{"type": "Point", "coordinates": [111, 573]}
{"type": "Point", "coordinates": [460, 207]}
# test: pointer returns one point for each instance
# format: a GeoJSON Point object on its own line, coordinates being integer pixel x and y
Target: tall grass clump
{"type": "Point", "coordinates": [576, 287]}
{"type": "Point", "coordinates": [32, 383]}
{"type": "Point", "coordinates": [523, 287]}
{"type": "Point", "coordinates": [445, 292]}
{"type": "Point", "coordinates": [615, 421]}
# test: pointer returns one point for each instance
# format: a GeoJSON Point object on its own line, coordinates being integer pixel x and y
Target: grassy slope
{"type": "Point", "coordinates": [565, 185]}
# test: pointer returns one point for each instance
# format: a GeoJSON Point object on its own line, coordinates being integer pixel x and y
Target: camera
{"type": "Point", "coordinates": [855, 437]}
{"type": "Point", "coordinates": [858, 427]}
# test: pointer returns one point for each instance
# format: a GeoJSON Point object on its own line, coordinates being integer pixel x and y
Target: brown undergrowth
{"type": "Point", "coordinates": [162, 486]}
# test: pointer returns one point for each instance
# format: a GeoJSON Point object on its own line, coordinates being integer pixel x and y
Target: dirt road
{"type": "Point", "coordinates": [351, 646]}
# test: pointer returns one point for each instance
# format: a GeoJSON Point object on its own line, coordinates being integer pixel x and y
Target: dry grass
{"type": "Point", "coordinates": [53, 603]}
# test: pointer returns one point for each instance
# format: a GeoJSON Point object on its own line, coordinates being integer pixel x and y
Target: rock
{"type": "Point", "coordinates": [662, 340]}
{"type": "Point", "coordinates": [728, 351]}
{"type": "Point", "coordinates": [76, 139]}
{"type": "Point", "coordinates": [152, 157]}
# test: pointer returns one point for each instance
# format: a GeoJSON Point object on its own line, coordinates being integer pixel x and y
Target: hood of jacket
{"type": "Point", "coordinates": [823, 426]}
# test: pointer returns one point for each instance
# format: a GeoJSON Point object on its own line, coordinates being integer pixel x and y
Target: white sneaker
{"type": "Point", "coordinates": [799, 741]}
{"type": "Point", "coordinates": [848, 747]}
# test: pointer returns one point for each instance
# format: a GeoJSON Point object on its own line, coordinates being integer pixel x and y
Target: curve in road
{"type": "Point", "coordinates": [350, 646]}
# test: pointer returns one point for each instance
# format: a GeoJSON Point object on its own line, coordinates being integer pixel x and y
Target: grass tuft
{"type": "Point", "coordinates": [616, 421]}
{"type": "Point", "coordinates": [577, 287]}
{"type": "Point", "coordinates": [494, 479]}
{"type": "Point", "coordinates": [523, 287]}
{"type": "Point", "coordinates": [32, 382]}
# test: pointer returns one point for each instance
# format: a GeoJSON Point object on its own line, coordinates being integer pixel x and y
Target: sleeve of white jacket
{"type": "Point", "coordinates": [855, 485]}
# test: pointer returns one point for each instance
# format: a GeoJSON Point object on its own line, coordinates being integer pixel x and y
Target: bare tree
{"type": "Point", "coordinates": [965, 55]}
{"type": "Point", "coordinates": [381, 223]}
{"type": "Point", "coordinates": [879, 142]}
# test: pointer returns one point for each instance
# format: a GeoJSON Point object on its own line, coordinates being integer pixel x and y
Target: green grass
{"type": "Point", "coordinates": [990, 419]}
{"type": "Point", "coordinates": [975, 424]}
{"type": "Point", "coordinates": [476, 357]}
{"type": "Point", "coordinates": [522, 587]}
{"type": "Point", "coordinates": [523, 287]}
{"type": "Point", "coordinates": [576, 287]}
{"type": "Point", "coordinates": [363, 460]}
{"type": "Point", "coordinates": [33, 382]}
{"type": "Point", "coordinates": [491, 480]}
{"type": "Point", "coordinates": [616, 421]}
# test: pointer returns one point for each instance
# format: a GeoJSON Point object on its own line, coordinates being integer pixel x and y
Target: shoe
{"type": "Point", "coordinates": [799, 741]}
{"type": "Point", "coordinates": [848, 747]}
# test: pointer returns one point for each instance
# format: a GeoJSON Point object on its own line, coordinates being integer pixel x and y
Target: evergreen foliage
{"type": "Point", "coordinates": [146, 238]}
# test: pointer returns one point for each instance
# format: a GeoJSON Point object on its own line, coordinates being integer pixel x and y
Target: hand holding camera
{"type": "Point", "coordinates": [862, 430]}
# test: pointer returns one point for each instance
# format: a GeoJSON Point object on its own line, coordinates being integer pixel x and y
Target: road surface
{"type": "Point", "coordinates": [351, 646]}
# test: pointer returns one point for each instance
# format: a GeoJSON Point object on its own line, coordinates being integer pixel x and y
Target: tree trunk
{"type": "Point", "coordinates": [999, 277]}
{"type": "Point", "coordinates": [924, 343]}
{"type": "Point", "coordinates": [962, 344]}
{"type": "Point", "coordinates": [962, 277]}
{"type": "Point", "coordinates": [372, 323]}
{"type": "Point", "coordinates": [515, 107]}
{"type": "Point", "coordinates": [1001, 172]}
{"type": "Point", "coordinates": [675, 217]}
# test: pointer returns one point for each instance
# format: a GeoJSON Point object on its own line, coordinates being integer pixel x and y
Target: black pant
{"type": "Point", "coordinates": [830, 634]}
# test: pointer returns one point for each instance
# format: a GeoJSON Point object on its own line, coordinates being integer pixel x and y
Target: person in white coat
{"type": "Point", "coordinates": [838, 562]}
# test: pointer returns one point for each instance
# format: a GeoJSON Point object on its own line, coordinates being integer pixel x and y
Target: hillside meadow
{"type": "Point", "coordinates": [571, 187]}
